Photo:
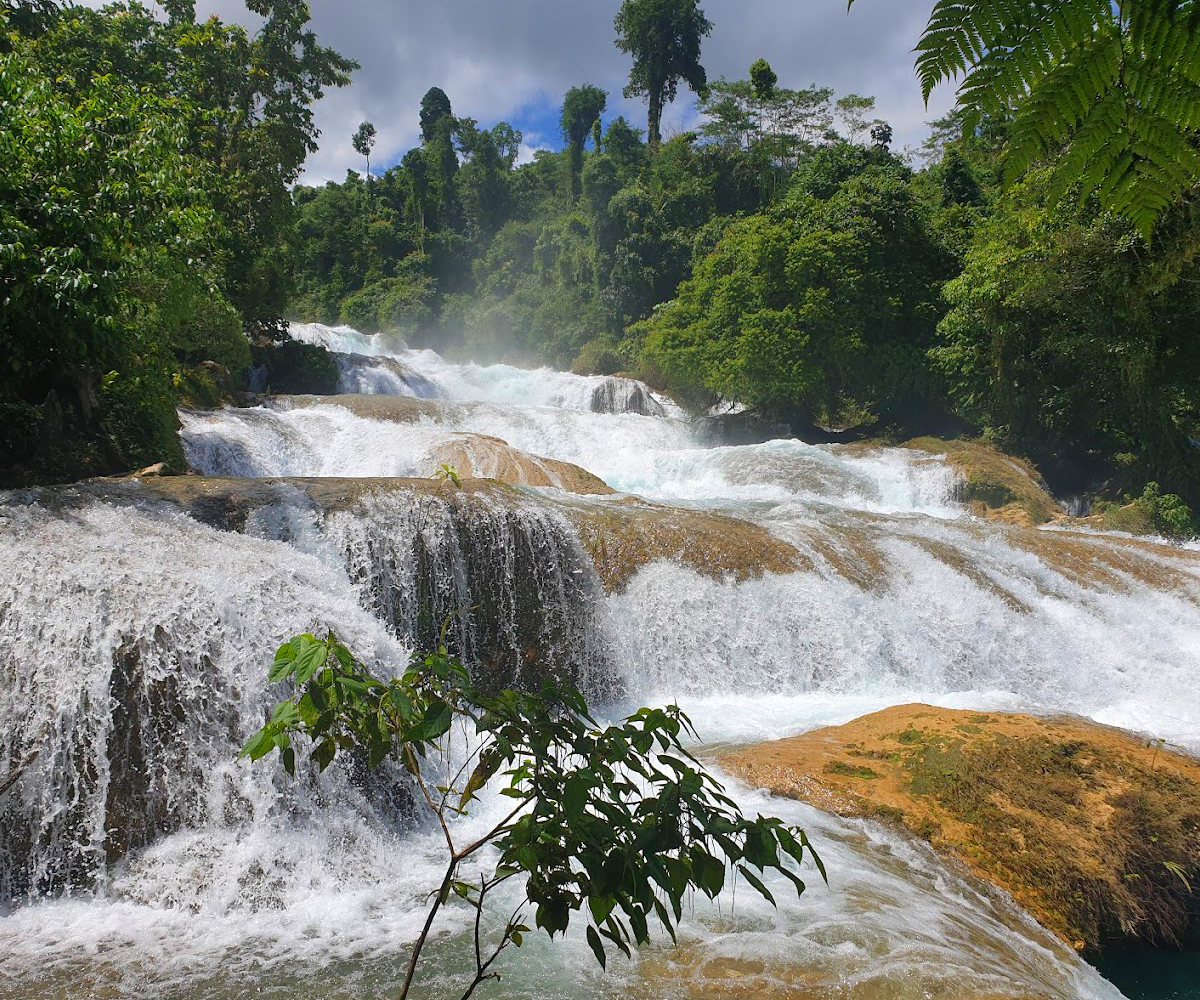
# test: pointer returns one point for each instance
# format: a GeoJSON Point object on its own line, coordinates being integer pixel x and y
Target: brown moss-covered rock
{"type": "Point", "coordinates": [695, 973]}
{"type": "Point", "coordinates": [1094, 831]}
{"type": "Point", "coordinates": [624, 536]}
{"type": "Point", "coordinates": [997, 486]}
{"type": "Point", "coordinates": [476, 456]}
{"type": "Point", "coordinates": [397, 409]}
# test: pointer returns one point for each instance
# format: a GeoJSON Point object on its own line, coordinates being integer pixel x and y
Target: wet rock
{"type": "Point", "coordinates": [359, 373]}
{"type": "Point", "coordinates": [623, 536]}
{"type": "Point", "coordinates": [477, 456]}
{"type": "Point", "coordinates": [625, 395]}
{"type": "Point", "coordinates": [997, 486]}
{"type": "Point", "coordinates": [502, 566]}
{"type": "Point", "coordinates": [1094, 831]}
{"type": "Point", "coordinates": [741, 428]}
{"type": "Point", "coordinates": [397, 409]}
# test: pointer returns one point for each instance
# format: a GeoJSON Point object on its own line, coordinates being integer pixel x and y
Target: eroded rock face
{"type": "Point", "coordinates": [359, 373]}
{"type": "Point", "coordinates": [502, 566]}
{"type": "Point", "coordinates": [741, 428]}
{"type": "Point", "coordinates": [624, 535]}
{"type": "Point", "coordinates": [625, 395]}
{"type": "Point", "coordinates": [1094, 831]}
{"type": "Point", "coordinates": [397, 409]}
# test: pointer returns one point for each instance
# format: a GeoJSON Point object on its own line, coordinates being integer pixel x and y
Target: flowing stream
{"type": "Point", "coordinates": [137, 859]}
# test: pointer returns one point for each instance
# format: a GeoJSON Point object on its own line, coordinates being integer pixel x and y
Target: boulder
{"type": "Point", "coordinates": [741, 428]}
{"type": "Point", "coordinates": [477, 456]}
{"type": "Point", "coordinates": [625, 395]}
{"type": "Point", "coordinates": [995, 485]}
{"type": "Point", "coordinates": [1094, 831]}
{"type": "Point", "coordinates": [624, 535]}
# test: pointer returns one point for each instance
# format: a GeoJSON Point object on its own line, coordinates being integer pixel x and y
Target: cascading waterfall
{"type": "Point", "coordinates": [131, 671]}
{"type": "Point", "coordinates": [377, 363]}
{"type": "Point", "coordinates": [136, 621]}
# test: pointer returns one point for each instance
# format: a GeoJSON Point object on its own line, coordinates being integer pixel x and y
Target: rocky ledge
{"type": "Point", "coordinates": [1094, 831]}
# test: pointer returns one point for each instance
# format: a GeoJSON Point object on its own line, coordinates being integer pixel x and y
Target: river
{"type": "Point", "coordinates": [133, 641]}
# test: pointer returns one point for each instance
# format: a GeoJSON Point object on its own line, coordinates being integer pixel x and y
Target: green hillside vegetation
{"type": "Point", "coordinates": [783, 254]}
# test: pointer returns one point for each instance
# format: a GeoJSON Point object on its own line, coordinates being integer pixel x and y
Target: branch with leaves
{"type": "Point", "coordinates": [617, 823]}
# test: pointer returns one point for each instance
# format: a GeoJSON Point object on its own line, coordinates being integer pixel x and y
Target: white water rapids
{"type": "Point", "coordinates": [245, 885]}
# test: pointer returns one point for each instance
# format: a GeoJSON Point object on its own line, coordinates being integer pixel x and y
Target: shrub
{"type": "Point", "coordinates": [293, 367]}
{"type": "Point", "coordinates": [1153, 513]}
{"type": "Point", "coordinates": [139, 417]}
{"type": "Point", "coordinates": [599, 357]}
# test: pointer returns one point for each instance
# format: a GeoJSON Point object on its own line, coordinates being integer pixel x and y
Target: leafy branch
{"type": "Point", "coordinates": [619, 823]}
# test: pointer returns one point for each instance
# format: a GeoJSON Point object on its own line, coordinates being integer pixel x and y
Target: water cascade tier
{"type": "Point", "coordinates": [565, 527]}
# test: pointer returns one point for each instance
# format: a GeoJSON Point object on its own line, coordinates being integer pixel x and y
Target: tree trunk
{"type": "Point", "coordinates": [654, 133]}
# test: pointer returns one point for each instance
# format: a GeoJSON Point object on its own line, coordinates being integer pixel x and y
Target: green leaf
{"type": "Point", "coordinates": [285, 662]}
{"type": "Point", "coordinates": [755, 881]}
{"type": "Point", "coordinates": [323, 753]}
{"type": "Point", "coordinates": [597, 947]}
{"type": "Point", "coordinates": [601, 907]}
{"type": "Point", "coordinates": [311, 655]}
{"type": "Point", "coordinates": [575, 796]}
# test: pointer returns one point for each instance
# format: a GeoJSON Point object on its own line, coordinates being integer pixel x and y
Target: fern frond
{"type": "Point", "coordinates": [1105, 91]}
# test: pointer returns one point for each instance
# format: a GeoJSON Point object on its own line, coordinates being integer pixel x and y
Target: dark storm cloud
{"type": "Point", "coordinates": [513, 59]}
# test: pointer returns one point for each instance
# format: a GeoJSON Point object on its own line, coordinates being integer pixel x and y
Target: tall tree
{"type": "Point", "coordinates": [364, 142]}
{"type": "Point", "coordinates": [435, 106]}
{"type": "Point", "coordinates": [663, 37]}
{"type": "Point", "coordinates": [764, 79]}
{"type": "Point", "coordinates": [581, 112]}
{"type": "Point", "coordinates": [853, 110]}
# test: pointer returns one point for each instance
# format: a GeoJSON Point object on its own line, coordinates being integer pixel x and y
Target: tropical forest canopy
{"type": "Point", "coordinates": [1030, 274]}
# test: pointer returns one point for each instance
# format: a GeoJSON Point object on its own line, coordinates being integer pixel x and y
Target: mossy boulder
{"type": "Point", "coordinates": [477, 456]}
{"type": "Point", "coordinates": [995, 485]}
{"type": "Point", "coordinates": [1094, 831]}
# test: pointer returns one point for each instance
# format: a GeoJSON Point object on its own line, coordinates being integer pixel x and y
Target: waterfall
{"type": "Point", "coordinates": [138, 858]}
{"type": "Point", "coordinates": [131, 672]}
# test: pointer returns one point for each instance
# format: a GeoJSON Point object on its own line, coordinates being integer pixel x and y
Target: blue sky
{"type": "Point", "coordinates": [513, 60]}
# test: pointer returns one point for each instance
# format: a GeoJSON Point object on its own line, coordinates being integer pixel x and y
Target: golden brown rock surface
{"type": "Point", "coordinates": [476, 456]}
{"type": "Point", "coordinates": [996, 486]}
{"type": "Point", "coordinates": [624, 535]}
{"type": "Point", "coordinates": [1094, 831]}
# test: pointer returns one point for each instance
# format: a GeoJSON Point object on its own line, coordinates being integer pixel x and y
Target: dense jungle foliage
{"type": "Point", "coordinates": [781, 255]}
{"type": "Point", "coordinates": [146, 218]}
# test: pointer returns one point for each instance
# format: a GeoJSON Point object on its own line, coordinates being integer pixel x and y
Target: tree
{"type": "Point", "coordinates": [1072, 340]}
{"type": "Point", "coordinates": [881, 135]}
{"type": "Point", "coordinates": [613, 825]}
{"type": "Point", "coordinates": [1108, 93]}
{"type": "Point", "coordinates": [507, 141]}
{"type": "Point", "coordinates": [435, 106]}
{"type": "Point", "coordinates": [820, 310]}
{"type": "Point", "coordinates": [623, 143]}
{"type": "Point", "coordinates": [105, 270]}
{"type": "Point", "coordinates": [364, 142]}
{"type": "Point", "coordinates": [581, 111]}
{"type": "Point", "coordinates": [663, 37]}
{"type": "Point", "coordinates": [763, 79]}
{"type": "Point", "coordinates": [853, 110]}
